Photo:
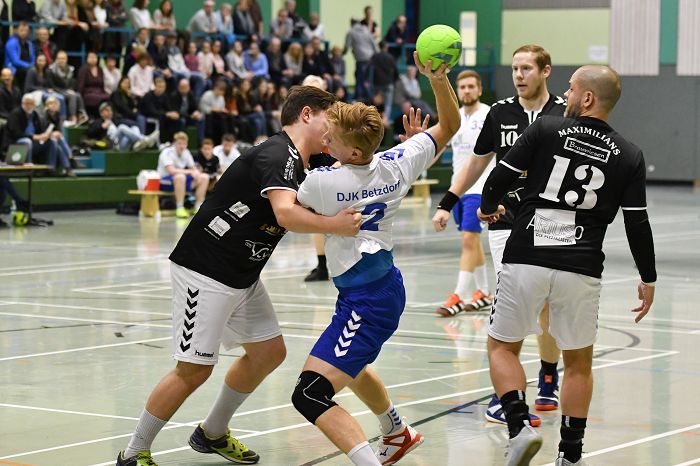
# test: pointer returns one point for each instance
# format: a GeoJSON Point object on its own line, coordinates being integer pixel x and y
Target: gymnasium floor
{"type": "Point", "coordinates": [85, 335]}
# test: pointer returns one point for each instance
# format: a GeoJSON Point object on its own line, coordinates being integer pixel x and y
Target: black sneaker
{"type": "Point", "coordinates": [142, 458]}
{"type": "Point", "coordinates": [317, 275]}
{"type": "Point", "coordinates": [225, 446]}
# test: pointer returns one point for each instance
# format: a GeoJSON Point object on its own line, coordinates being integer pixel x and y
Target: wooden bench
{"type": "Point", "coordinates": [421, 193]}
{"type": "Point", "coordinates": [150, 205]}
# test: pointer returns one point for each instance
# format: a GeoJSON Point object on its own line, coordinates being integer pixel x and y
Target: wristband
{"type": "Point", "coordinates": [650, 285]}
{"type": "Point", "coordinates": [448, 201]}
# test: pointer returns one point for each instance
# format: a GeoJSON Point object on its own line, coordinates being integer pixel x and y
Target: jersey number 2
{"type": "Point", "coordinates": [572, 198]}
{"type": "Point", "coordinates": [376, 210]}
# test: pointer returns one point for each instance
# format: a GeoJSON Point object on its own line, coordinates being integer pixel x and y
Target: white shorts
{"type": "Point", "coordinates": [522, 291]}
{"type": "Point", "coordinates": [497, 244]}
{"type": "Point", "coordinates": [207, 313]}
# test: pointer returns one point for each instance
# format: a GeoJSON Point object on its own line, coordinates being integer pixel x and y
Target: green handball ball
{"type": "Point", "coordinates": [439, 43]}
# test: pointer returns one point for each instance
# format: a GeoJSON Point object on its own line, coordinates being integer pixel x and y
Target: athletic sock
{"type": "Point", "coordinates": [146, 431]}
{"type": "Point", "coordinates": [571, 444]}
{"type": "Point", "coordinates": [228, 401]}
{"type": "Point", "coordinates": [516, 411]}
{"type": "Point", "coordinates": [390, 421]}
{"type": "Point", "coordinates": [322, 262]}
{"type": "Point", "coordinates": [180, 205]}
{"type": "Point", "coordinates": [362, 455]}
{"type": "Point", "coordinates": [198, 204]}
{"type": "Point", "coordinates": [463, 281]}
{"type": "Point", "coordinates": [548, 368]}
{"type": "Point", "coordinates": [481, 279]}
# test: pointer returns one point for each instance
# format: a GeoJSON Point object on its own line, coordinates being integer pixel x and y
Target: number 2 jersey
{"type": "Point", "coordinates": [504, 124]}
{"type": "Point", "coordinates": [375, 190]}
{"type": "Point", "coordinates": [580, 172]}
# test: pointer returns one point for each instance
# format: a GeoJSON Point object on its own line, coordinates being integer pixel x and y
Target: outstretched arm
{"type": "Point", "coordinates": [445, 100]}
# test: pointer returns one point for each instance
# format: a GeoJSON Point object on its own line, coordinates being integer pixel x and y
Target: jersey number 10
{"type": "Point", "coordinates": [573, 198]}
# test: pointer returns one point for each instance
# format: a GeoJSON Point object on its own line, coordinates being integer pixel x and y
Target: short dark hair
{"type": "Point", "coordinates": [207, 142]}
{"type": "Point", "coordinates": [228, 137]}
{"type": "Point", "coordinates": [304, 96]}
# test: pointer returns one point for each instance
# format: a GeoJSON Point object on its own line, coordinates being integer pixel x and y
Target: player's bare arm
{"type": "Point", "coordinates": [294, 217]}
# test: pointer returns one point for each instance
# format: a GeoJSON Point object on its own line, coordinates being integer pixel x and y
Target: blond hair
{"type": "Point", "coordinates": [181, 135]}
{"type": "Point", "coordinates": [359, 126]}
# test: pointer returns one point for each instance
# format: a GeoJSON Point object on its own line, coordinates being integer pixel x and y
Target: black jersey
{"type": "Point", "coordinates": [235, 231]}
{"type": "Point", "coordinates": [504, 124]}
{"type": "Point", "coordinates": [321, 160]}
{"type": "Point", "coordinates": [580, 172]}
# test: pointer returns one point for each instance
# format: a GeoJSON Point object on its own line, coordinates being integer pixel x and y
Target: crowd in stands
{"type": "Point", "coordinates": [135, 79]}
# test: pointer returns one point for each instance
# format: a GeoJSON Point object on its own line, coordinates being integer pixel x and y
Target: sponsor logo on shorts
{"type": "Point", "coordinates": [203, 355]}
{"type": "Point", "coordinates": [587, 150]}
{"type": "Point", "coordinates": [260, 251]}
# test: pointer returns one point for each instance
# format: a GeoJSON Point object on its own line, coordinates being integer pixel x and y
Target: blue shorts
{"type": "Point", "coordinates": [166, 183]}
{"type": "Point", "coordinates": [365, 317]}
{"type": "Point", "coordinates": [464, 213]}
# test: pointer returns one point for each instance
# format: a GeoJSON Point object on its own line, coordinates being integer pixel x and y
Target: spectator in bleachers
{"type": "Point", "coordinates": [360, 40]}
{"type": "Point", "coordinates": [224, 23]}
{"type": "Point", "coordinates": [91, 84]}
{"type": "Point", "coordinates": [179, 68]}
{"type": "Point", "coordinates": [140, 15]}
{"type": "Point", "coordinates": [178, 173]}
{"type": "Point", "coordinates": [19, 52]}
{"type": "Point", "coordinates": [182, 110]}
{"type": "Point", "coordinates": [10, 96]}
{"type": "Point", "coordinates": [159, 57]}
{"type": "Point", "coordinates": [62, 80]}
{"type": "Point", "coordinates": [53, 12]}
{"type": "Point", "coordinates": [154, 103]}
{"type": "Point", "coordinates": [227, 152]}
{"type": "Point", "coordinates": [256, 62]}
{"type": "Point", "coordinates": [98, 23]}
{"type": "Point", "coordinates": [191, 58]}
{"type": "Point", "coordinates": [125, 106]}
{"type": "Point", "coordinates": [314, 28]}
{"type": "Point", "coordinates": [139, 44]}
{"type": "Point", "coordinates": [141, 75]}
{"type": "Point", "coordinates": [37, 82]}
{"type": "Point", "coordinates": [408, 88]}
{"type": "Point", "coordinates": [234, 60]}
{"type": "Point", "coordinates": [77, 33]}
{"type": "Point", "coordinates": [205, 58]}
{"type": "Point", "coordinates": [207, 162]}
{"type": "Point", "coordinates": [117, 17]}
{"type": "Point", "coordinates": [270, 101]}
{"type": "Point", "coordinates": [397, 35]}
{"type": "Point", "coordinates": [323, 60]}
{"type": "Point", "coordinates": [290, 6]}
{"type": "Point", "coordinates": [282, 26]}
{"type": "Point", "coordinates": [219, 68]}
{"type": "Point", "coordinates": [25, 126]}
{"type": "Point", "coordinates": [256, 14]}
{"type": "Point", "coordinates": [276, 63]}
{"type": "Point", "coordinates": [24, 10]}
{"type": "Point", "coordinates": [385, 73]}
{"type": "Point", "coordinates": [250, 109]}
{"type": "Point", "coordinates": [112, 74]}
{"type": "Point", "coordinates": [405, 107]}
{"type": "Point", "coordinates": [310, 65]}
{"type": "Point", "coordinates": [120, 135]}
{"type": "Point", "coordinates": [164, 16]}
{"type": "Point", "coordinates": [43, 44]}
{"type": "Point", "coordinates": [370, 23]}
{"type": "Point", "coordinates": [294, 60]}
{"type": "Point", "coordinates": [243, 21]}
{"type": "Point", "coordinates": [203, 21]}
{"type": "Point", "coordinates": [52, 109]}
{"type": "Point", "coordinates": [338, 66]}
{"type": "Point", "coordinates": [218, 120]}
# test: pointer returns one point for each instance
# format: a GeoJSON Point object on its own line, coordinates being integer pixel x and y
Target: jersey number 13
{"type": "Point", "coordinates": [573, 198]}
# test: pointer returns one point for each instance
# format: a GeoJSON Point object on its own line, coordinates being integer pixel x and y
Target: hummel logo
{"type": "Point", "coordinates": [349, 331]}
{"type": "Point", "coordinates": [193, 294]}
{"type": "Point", "coordinates": [384, 453]}
{"type": "Point", "coordinates": [189, 320]}
{"type": "Point", "coordinates": [293, 152]}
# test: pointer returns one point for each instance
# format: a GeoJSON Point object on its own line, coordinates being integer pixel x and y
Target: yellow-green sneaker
{"type": "Point", "coordinates": [226, 446]}
{"type": "Point", "coordinates": [181, 212]}
{"type": "Point", "coordinates": [142, 458]}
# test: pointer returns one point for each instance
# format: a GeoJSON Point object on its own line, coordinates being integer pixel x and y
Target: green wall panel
{"type": "Point", "coordinates": [668, 50]}
{"type": "Point", "coordinates": [76, 191]}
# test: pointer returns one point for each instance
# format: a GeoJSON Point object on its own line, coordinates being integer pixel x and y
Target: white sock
{"type": "Point", "coordinates": [390, 421]}
{"type": "Point", "coordinates": [362, 455]}
{"type": "Point", "coordinates": [228, 401]}
{"type": "Point", "coordinates": [198, 204]}
{"type": "Point", "coordinates": [463, 281]}
{"type": "Point", "coordinates": [481, 279]}
{"type": "Point", "coordinates": [146, 431]}
{"type": "Point", "coordinates": [180, 205]}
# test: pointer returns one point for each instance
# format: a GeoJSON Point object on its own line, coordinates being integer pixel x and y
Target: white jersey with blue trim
{"type": "Point", "coordinates": [375, 190]}
{"type": "Point", "coordinates": [463, 145]}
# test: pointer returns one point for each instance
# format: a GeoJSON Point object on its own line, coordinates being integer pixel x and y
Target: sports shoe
{"type": "Point", "coordinates": [317, 275]}
{"type": "Point", "coordinates": [181, 212]}
{"type": "Point", "coordinates": [142, 458]}
{"type": "Point", "coordinates": [140, 145]}
{"type": "Point", "coordinates": [565, 462]}
{"type": "Point", "coordinates": [225, 446]}
{"type": "Point", "coordinates": [547, 398]}
{"type": "Point", "coordinates": [479, 302]}
{"type": "Point", "coordinates": [453, 306]}
{"type": "Point", "coordinates": [523, 447]}
{"type": "Point", "coordinates": [494, 413]}
{"type": "Point", "coordinates": [392, 448]}
{"type": "Point", "coordinates": [153, 138]}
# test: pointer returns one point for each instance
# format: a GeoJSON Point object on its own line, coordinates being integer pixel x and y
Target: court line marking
{"type": "Point", "coordinates": [88, 308]}
{"type": "Point", "coordinates": [79, 319]}
{"type": "Point", "coordinates": [84, 348]}
{"type": "Point", "coordinates": [72, 264]}
{"type": "Point", "coordinates": [81, 268]}
{"type": "Point", "coordinates": [639, 441]}
{"type": "Point", "coordinates": [688, 463]}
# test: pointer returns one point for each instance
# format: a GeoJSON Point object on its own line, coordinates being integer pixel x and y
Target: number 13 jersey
{"type": "Point", "coordinates": [375, 190]}
{"type": "Point", "coordinates": [580, 172]}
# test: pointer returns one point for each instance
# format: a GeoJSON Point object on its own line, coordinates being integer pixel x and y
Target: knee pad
{"type": "Point", "coordinates": [313, 395]}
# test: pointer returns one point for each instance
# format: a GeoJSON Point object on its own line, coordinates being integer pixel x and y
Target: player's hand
{"type": "Point", "coordinates": [440, 219]}
{"type": "Point", "coordinates": [493, 216]}
{"type": "Point", "coordinates": [427, 68]}
{"type": "Point", "coordinates": [646, 294]}
{"type": "Point", "coordinates": [347, 222]}
{"type": "Point", "coordinates": [412, 124]}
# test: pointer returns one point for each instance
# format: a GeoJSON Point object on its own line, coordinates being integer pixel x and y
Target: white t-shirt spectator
{"type": "Point", "coordinates": [141, 79]}
{"type": "Point", "coordinates": [169, 156]}
{"type": "Point", "coordinates": [140, 18]}
{"type": "Point", "coordinates": [225, 160]}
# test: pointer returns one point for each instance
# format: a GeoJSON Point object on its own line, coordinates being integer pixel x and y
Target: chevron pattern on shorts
{"type": "Point", "coordinates": [190, 314]}
{"type": "Point", "coordinates": [349, 331]}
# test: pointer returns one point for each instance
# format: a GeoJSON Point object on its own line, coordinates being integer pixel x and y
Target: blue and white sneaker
{"type": "Point", "coordinates": [547, 397]}
{"type": "Point", "coordinates": [494, 413]}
